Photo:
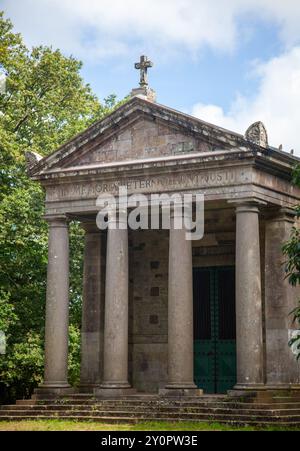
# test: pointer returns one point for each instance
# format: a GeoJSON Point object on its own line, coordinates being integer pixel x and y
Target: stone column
{"type": "Point", "coordinates": [57, 308]}
{"type": "Point", "coordinates": [115, 375]}
{"type": "Point", "coordinates": [248, 298]}
{"type": "Point", "coordinates": [91, 329]}
{"type": "Point", "coordinates": [282, 369]}
{"type": "Point", "coordinates": [180, 315]}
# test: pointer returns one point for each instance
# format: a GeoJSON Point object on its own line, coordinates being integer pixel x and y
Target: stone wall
{"type": "Point", "coordinates": [148, 292]}
{"type": "Point", "coordinates": [143, 139]}
{"type": "Point", "coordinates": [148, 309]}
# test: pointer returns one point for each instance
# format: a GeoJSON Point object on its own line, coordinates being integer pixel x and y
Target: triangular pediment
{"type": "Point", "coordinates": [142, 139]}
{"type": "Point", "coordinates": [139, 130]}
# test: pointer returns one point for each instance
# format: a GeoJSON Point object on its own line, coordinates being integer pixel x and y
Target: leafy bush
{"type": "Point", "coordinates": [45, 103]}
{"type": "Point", "coordinates": [292, 251]}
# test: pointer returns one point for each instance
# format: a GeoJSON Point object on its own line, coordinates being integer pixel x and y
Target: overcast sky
{"type": "Point", "coordinates": [230, 62]}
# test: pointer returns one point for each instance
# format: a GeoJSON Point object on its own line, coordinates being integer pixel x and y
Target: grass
{"type": "Point", "coordinates": [61, 425]}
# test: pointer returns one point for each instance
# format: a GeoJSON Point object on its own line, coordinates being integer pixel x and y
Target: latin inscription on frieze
{"type": "Point", "coordinates": [201, 180]}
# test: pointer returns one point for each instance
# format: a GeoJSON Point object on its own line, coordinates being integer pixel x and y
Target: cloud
{"type": "Point", "coordinates": [276, 103]}
{"type": "Point", "coordinates": [98, 30]}
{"type": "Point", "coordinates": [102, 28]}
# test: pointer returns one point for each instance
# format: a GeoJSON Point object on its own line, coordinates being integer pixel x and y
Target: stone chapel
{"type": "Point", "coordinates": [162, 314]}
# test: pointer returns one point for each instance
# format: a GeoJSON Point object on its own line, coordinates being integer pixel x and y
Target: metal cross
{"type": "Point", "coordinates": [143, 66]}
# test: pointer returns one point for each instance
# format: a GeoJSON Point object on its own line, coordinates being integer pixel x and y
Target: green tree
{"type": "Point", "coordinates": [292, 251]}
{"type": "Point", "coordinates": [45, 103]}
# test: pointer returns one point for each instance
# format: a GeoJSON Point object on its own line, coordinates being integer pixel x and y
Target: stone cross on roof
{"type": "Point", "coordinates": [143, 66]}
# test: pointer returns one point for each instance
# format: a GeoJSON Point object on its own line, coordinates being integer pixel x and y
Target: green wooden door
{"type": "Point", "coordinates": [214, 328]}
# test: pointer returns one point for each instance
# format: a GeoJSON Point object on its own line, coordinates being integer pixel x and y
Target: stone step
{"type": "Point", "coordinates": [242, 409]}
{"type": "Point", "coordinates": [268, 400]}
{"type": "Point", "coordinates": [108, 420]}
{"type": "Point", "coordinates": [262, 398]}
{"type": "Point", "coordinates": [156, 404]}
{"type": "Point", "coordinates": [281, 399]}
{"type": "Point", "coordinates": [132, 398]}
{"type": "Point", "coordinates": [139, 396]}
{"type": "Point", "coordinates": [139, 408]}
{"type": "Point", "coordinates": [188, 416]}
{"type": "Point", "coordinates": [115, 420]}
{"type": "Point", "coordinates": [130, 404]}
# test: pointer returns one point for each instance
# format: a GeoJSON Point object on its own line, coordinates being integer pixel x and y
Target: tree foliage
{"type": "Point", "coordinates": [292, 251]}
{"type": "Point", "coordinates": [45, 103]}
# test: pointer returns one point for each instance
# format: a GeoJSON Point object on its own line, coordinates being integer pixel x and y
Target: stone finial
{"type": "Point", "coordinates": [32, 158]}
{"type": "Point", "coordinates": [143, 67]}
{"type": "Point", "coordinates": [257, 134]}
{"type": "Point", "coordinates": [144, 91]}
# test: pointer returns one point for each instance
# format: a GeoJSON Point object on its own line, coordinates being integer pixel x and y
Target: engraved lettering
{"type": "Point", "coordinates": [192, 180]}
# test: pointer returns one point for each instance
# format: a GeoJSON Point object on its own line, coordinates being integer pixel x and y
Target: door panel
{"type": "Point", "coordinates": [203, 343]}
{"type": "Point", "coordinates": [214, 328]}
{"type": "Point", "coordinates": [226, 333]}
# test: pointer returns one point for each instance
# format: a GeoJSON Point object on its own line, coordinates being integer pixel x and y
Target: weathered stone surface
{"type": "Point", "coordinates": [148, 344]}
{"type": "Point", "coordinates": [167, 182]}
{"type": "Point", "coordinates": [143, 139]}
{"type": "Point", "coordinates": [257, 134]}
{"type": "Point", "coordinates": [92, 310]}
{"type": "Point", "coordinates": [144, 93]}
{"type": "Point", "coordinates": [180, 312]}
{"type": "Point", "coordinates": [143, 65]}
{"type": "Point", "coordinates": [124, 117]}
{"type": "Point", "coordinates": [115, 369]}
{"type": "Point", "coordinates": [248, 298]}
{"type": "Point", "coordinates": [32, 158]}
{"type": "Point", "coordinates": [282, 369]}
{"type": "Point", "coordinates": [57, 307]}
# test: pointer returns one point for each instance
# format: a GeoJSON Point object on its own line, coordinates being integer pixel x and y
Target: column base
{"type": "Point", "coordinates": [246, 390]}
{"type": "Point", "coordinates": [252, 387]}
{"type": "Point", "coordinates": [87, 388]}
{"type": "Point", "coordinates": [265, 391]}
{"type": "Point", "coordinates": [178, 390]}
{"type": "Point", "coordinates": [282, 387]}
{"type": "Point", "coordinates": [111, 390]}
{"type": "Point", "coordinates": [55, 389]}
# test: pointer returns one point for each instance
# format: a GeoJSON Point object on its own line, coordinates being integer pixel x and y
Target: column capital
{"type": "Point", "coordinates": [57, 220]}
{"type": "Point", "coordinates": [284, 214]}
{"type": "Point", "coordinates": [249, 204]}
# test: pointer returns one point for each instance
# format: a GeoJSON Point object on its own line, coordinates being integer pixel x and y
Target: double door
{"type": "Point", "coordinates": [214, 329]}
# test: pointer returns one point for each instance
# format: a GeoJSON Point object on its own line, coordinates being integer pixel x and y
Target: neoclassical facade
{"type": "Point", "coordinates": [161, 313]}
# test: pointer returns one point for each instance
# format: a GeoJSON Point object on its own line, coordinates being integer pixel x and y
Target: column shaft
{"type": "Point", "coordinates": [282, 368]}
{"type": "Point", "coordinates": [180, 313]}
{"type": "Point", "coordinates": [115, 376]}
{"type": "Point", "coordinates": [248, 298]}
{"type": "Point", "coordinates": [91, 330]}
{"type": "Point", "coordinates": [57, 306]}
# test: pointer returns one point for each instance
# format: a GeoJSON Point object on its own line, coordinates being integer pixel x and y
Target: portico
{"type": "Point", "coordinates": [138, 314]}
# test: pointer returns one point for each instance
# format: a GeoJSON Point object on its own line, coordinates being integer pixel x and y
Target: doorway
{"type": "Point", "coordinates": [214, 328]}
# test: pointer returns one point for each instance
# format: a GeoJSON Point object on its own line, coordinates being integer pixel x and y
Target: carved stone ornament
{"type": "Point", "coordinates": [32, 158]}
{"type": "Point", "coordinates": [257, 134]}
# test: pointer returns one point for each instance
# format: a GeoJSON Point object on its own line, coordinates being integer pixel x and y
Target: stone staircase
{"type": "Point", "coordinates": [262, 410]}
